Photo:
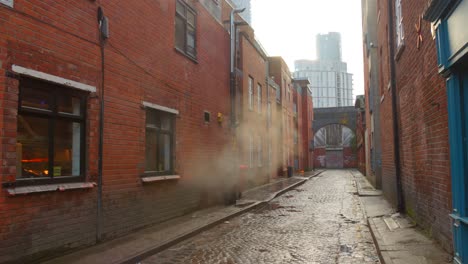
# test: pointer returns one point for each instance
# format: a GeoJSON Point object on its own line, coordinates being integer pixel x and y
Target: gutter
{"type": "Point", "coordinates": [395, 117]}
{"type": "Point", "coordinates": [232, 62]}
{"type": "Point", "coordinates": [103, 35]}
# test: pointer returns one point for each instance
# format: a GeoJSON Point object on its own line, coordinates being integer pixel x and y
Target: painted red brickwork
{"type": "Point", "coordinates": [349, 157]}
{"type": "Point", "coordinates": [422, 107]}
{"type": "Point", "coordinates": [141, 65]}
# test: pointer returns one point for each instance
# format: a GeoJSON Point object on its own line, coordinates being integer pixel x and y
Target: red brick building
{"type": "Point", "coordinates": [279, 71]}
{"type": "Point", "coordinates": [162, 76]}
{"type": "Point", "coordinates": [305, 115]}
{"type": "Point", "coordinates": [253, 137]}
{"type": "Point", "coordinates": [413, 119]}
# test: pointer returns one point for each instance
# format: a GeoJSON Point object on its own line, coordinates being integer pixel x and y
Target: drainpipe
{"type": "Point", "coordinates": [103, 35]}
{"type": "Point", "coordinates": [233, 58]}
{"type": "Point", "coordinates": [396, 129]}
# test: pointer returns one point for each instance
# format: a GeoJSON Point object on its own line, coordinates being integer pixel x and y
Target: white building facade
{"type": "Point", "coordinates": [330, 82]}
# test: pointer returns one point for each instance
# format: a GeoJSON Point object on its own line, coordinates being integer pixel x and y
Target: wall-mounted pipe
{"type": "Point", "coordinates": [103, 34]}
{"type": "Point", "coordinates": [396, 129]}
{"type": "Point", "coordinates": [232, 68]}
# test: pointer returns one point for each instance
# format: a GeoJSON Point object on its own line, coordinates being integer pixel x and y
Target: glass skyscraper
{"type": "Point", "coordinates": [330, 82]}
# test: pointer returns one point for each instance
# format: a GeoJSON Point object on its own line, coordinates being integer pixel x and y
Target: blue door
{"type": "Point", "coordinates": [457, 88]}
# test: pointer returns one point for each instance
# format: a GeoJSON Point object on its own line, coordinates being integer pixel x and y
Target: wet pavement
{"type": "Point", "coordinates": [320, 221]}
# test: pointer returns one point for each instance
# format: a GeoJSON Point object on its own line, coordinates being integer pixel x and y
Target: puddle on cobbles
{"type": "Point", "coordinates": [294, 211]}
{"type": "Point", "coordinates": [274, 206]}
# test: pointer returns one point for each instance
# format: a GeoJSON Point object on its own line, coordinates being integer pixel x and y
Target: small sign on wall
{"type": "Point", "coordinates": [7, 2]}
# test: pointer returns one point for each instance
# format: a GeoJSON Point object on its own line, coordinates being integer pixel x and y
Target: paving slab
{"type": "Point", "coordinates": [397, 238]}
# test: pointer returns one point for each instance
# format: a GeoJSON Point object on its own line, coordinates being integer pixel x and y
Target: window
{"type": "Point", "coordinates": [259, 152]}
{"type": "Point", "coordinates": [251, 152]}
{"type": "Point", "coordinates": [251, 102]}
{"type": "Point", "coordinates": [259, 98]}
{"type": "Point", "coordinates": [269, 114]}
{"type": "Point", "coordinates": [207, 116]}
{"type": "Point", "coordinates": [50, 133]}
{"type": "Point", "coordinates": [399, 24]}
{"type": "Point", "coordinates": [185, 30]}
{"type": "Point", "coordinates": [278, 94]}
{"type": "Point", "coordinates": [159, 142]}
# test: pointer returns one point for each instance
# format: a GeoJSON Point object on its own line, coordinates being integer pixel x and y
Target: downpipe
{"type": "Point", "coordinates": [396, 129]}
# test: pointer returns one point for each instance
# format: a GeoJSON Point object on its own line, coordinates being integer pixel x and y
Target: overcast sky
{"type": "Point", "coordinates": [288, 29]}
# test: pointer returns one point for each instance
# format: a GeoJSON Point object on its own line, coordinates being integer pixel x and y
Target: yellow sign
{"type": "Point", "coordinates": [57, 171]}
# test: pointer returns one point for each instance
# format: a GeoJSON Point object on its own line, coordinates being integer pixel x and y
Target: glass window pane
{"type": "Point", "coordinates": [191, 18]}
{"type": "Point", "coordinates": [35, 98]}
{"type": "Point", "coordinates": [166, 122]}
{"type": "Point", "coordinates": [67, 149]}
{"type": "Point", "coordinates": [151, 150]}
{"type": "Point", "coordinates": [180, 33]}
{"type": "Point", "coordinates": [69, 105]}
{"type": "Point", "coordinates": [32, 147]}
{"type": "Point", "coordinates": [164, 163]}
{"type": "Point", "coordinates": [180, 8]}
{"type": "Point", "coordinates": [153, 120]}
{"type": "Point", "coordinates": [191, 40]}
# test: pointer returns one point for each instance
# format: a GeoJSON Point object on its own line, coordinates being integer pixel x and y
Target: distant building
{"type": "Point", "coordinates": [329, 46]}
{"type": "Point", "coordinates": [331, 84]}
{"type": "Point", "coordinates": [247, 14]}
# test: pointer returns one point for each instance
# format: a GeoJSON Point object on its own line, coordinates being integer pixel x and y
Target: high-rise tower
{"type": "Point", "coordinates": [247, 14]}
{"type": "Point", "coordinates": [329, 46]}
{"type": "Point", "coordinates": [330, 82]}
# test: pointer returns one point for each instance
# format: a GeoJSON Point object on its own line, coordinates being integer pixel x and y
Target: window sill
{"type": "Point", "coordinates": [61, 187]}
{"type": "Point", "coordinates": [149, 179]}
{"type": "Point", "coordinates": [186, 55]}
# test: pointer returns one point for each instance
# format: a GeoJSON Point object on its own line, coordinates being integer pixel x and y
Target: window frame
{"type": "Point", "coordinates": [172, 135]}
{"type": "Point", "coordinates": [400, 33]}
{"type": "Point", "coordinates": [259, 98]}
{"type": "Point", "coordinates": [251, 93]}
{"type": "Point", "coordinates": [52, 116]}
{"type": "Point", "coordinates": [259, 152]}
{"type": "Point", "coordinates": [187, 24]}
{"type": "Point", "coordinates": [251, 151]}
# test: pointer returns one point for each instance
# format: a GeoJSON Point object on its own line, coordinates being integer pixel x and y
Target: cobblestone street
{"type": "Point", "coordinates": [318, 222]}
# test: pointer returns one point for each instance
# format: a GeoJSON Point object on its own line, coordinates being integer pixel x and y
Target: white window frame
{"type": "Point", "coordinates": [399, 24]}
{"type": "Point", "coordinates": [251, 151]}
{"type": "Point", "coordinates": [250, 93]}
{"type": "Point", "coordinates": [259, 152]}
{"type": "Point", "coordinates": [269, 114]}
{"type": "Point", "coordinates": [259, 98]}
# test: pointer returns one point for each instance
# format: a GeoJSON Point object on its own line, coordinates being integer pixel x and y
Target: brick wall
{"type": "Point", "coordinates": [386, 117]}
{"type": "Point", "coordinates": [422, 106]}
{"type": "Point", "coordinates": [282, 76]}
{"type": "Point", "coordinates": [254, 121]}
{"type": "Point", "coordinates": [141, 65]}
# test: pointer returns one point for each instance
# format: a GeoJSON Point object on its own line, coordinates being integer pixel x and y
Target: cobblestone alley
{"type": "Point", "coordinates": [318, 222]}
